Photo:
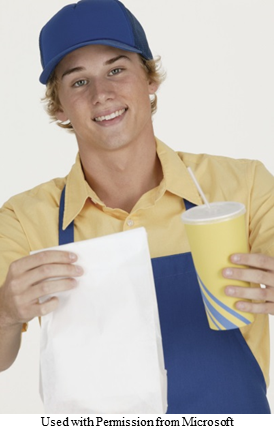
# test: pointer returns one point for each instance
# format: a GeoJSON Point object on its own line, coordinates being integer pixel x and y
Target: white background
{"type": "Point", "coordinates": [218, 98]}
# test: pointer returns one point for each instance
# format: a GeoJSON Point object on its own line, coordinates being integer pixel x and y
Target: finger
{"type": "Point", "coordinates": [27, 311]}
{"type": "Point", "coordinates": [44, 308]}
{"type": "Point", "coordinates": [252, 293]}
{"type": "Point", "coordinates": [22, 285]}
{"type": "Point", "coordinates": [49, 287]}
{"type": "Point", "coordinates": [28, 305]}
{"type": "Point", "coordinates": [42, 258]}
{"type": "Point", "coordinates": [254, 260]}
{"type": "Point", "coordinates": [255, 308]}
{"type": "Point", "coordinates": [45, 272]}
{"type": "Point", "coordinates": [251, 275]}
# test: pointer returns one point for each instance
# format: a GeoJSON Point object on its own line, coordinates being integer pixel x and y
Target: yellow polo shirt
{"type": "Point", "coordinates": [29, 221]}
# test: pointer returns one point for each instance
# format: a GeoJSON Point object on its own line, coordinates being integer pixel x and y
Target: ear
{"type": "Point", "coordinates": [152, 87]}
{"type": "Point", "coordinates": [61, 116]}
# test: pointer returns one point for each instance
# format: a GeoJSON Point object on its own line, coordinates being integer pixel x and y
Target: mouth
{"type": "Point", "coordinates": [110, 116]}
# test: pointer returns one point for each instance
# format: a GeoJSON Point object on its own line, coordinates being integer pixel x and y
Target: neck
{"type": "Point", "coordinates": [121, 177]}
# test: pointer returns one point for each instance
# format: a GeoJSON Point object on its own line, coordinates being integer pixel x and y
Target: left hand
{"type": "Point", "coordinates": [260, 270]}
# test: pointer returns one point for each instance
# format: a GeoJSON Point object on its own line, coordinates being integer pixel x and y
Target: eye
{"type": "Point", "coordinates": [80, 83]}
{"type": "Point", "coordinates": [115, 71]}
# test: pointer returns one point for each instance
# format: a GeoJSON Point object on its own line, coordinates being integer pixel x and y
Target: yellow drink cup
{"type": "Point", "coordinates": [214, 233]}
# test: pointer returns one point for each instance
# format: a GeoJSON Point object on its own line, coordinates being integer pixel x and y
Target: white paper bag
{"type": "Point", "coordinates": [101, 350]}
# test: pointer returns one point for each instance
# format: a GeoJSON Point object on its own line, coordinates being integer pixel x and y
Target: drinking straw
{"type": "Point", "coordinates": [198, 187]}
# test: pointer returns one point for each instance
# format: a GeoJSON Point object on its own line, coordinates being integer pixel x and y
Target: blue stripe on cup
{"type": "Point", "coordinates": [226, 323]}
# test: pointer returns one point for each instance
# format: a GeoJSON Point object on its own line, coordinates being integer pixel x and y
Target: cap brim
{"type": "Point", "coordinates": [45, 75]}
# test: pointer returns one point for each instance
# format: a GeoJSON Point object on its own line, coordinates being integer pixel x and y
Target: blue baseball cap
{"type": "Point", "coordinates": [90, 22]}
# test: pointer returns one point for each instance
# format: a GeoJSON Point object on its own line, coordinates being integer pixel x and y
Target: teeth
{"type": "Point", "coordinates": [110, 116]}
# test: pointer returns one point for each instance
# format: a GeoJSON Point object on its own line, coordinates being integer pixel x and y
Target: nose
{"type": "Point", "coordinates": [102, 90]}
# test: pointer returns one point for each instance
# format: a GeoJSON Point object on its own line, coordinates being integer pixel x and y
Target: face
{"type": "Point", "coordinates": [104, 92]}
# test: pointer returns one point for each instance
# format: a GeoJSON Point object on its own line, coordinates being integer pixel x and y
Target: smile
{"type": "Point", "coordinates": [110, 116]}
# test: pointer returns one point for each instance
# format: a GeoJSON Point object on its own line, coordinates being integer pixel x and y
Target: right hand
{"type": "Point", "coordinates": [31, 278]}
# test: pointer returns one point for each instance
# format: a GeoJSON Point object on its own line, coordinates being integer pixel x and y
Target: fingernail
{"type": "Point", "coordinates": [74, 282]}
{"type": "Point", "coordinates": [230, 290]}
{"type": "Point", "coordinates": [241, 306]}
{"type": "Point", "coordinates": [72, 256]}
{"type": "Point", "coordinates": [79, 269]}
{"type": "Point", "coordinates": [227, 272]}
{"type": "Point", "coordinates": [235, 258]}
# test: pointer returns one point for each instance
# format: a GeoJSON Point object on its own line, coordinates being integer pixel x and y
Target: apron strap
{"type": "Point", "coordinates": [188, 204]}
{"type": "Point", "coordinates": [65, 236]}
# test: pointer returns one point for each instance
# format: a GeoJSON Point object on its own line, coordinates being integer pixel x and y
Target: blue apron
{"type": "Point", "coordinates": [208, 371]}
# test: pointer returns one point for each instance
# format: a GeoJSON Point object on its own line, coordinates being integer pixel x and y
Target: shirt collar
{"type": "Point", "coordinates": [176, 179]}
{"type": "Point", "coordinates": [77, 192]}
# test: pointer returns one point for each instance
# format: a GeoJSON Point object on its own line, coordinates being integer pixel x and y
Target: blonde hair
{"type": "Point", "coordinates": [153, 71]}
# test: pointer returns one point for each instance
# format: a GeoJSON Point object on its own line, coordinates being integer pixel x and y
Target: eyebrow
{"type": "Point", "coordinates": [113, 60]}
{"type": "Point", "coordinates": [80, 69]}
{"type": "Point", "coordinates": [73, 70]}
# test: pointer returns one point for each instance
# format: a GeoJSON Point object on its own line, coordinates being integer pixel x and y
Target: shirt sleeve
{"type": "Point", "coordinates": [13, 242]}
{"type": "Point", "coordinates": [261, 210]}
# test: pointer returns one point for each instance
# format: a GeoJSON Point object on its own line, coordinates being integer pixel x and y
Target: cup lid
{"type": "Point", "coordinates": [217, 212]}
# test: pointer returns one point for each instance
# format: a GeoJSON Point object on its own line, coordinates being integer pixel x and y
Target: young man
{"type": "Point", "coordinates": [101, 82]}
